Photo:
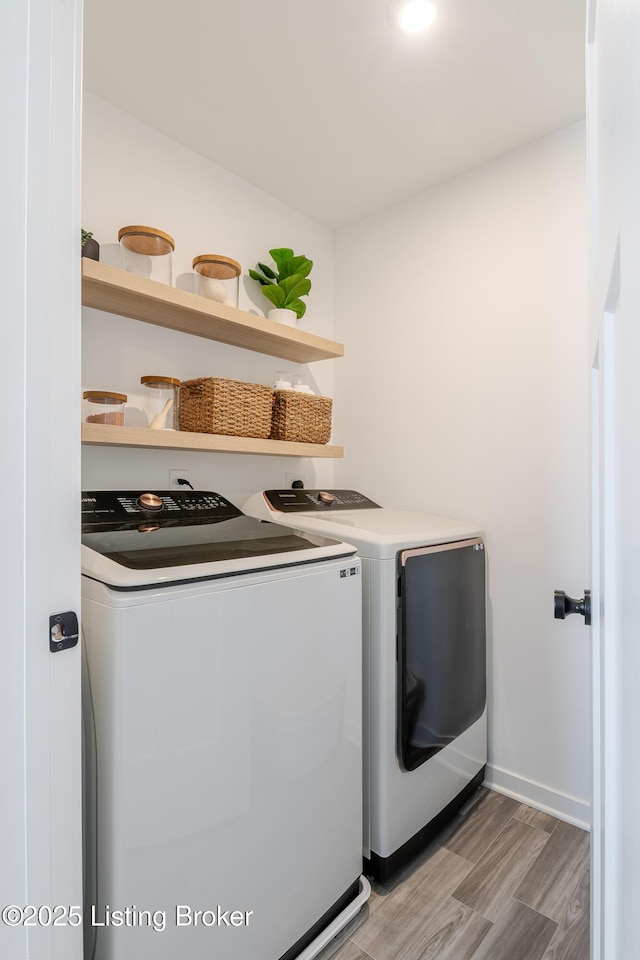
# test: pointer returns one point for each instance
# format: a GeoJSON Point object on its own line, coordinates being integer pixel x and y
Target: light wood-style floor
{"type": "Point", "coordinates": [503, 882]}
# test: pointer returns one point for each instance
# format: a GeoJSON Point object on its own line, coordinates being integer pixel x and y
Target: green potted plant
{"type": "Point", "coordinates": [285, 284]}
{"type": "Point", "coordinates": [90, 247]}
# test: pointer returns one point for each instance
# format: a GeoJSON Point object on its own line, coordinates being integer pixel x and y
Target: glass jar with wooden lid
{"type": "Point", "coordinates": [161, 402]}
{"type": "Point", "coordinates": [104, 406]}
{"type": "Point", "coordinates": [147, 252]}
{"type": "Point", "coordinates": [217, 278]}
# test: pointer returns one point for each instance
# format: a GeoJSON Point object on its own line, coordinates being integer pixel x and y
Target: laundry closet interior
{"type": "Point", "coordinates": [438, 183]}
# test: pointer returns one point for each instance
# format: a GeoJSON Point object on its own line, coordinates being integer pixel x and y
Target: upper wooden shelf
{"type": "Point", "coordinates": [116, 291]}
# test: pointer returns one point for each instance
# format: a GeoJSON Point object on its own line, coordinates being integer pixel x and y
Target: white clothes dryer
{"type": "Point", "coordinates": [222, 704]}
{"type": "Point", "coordinates": [424, 651]}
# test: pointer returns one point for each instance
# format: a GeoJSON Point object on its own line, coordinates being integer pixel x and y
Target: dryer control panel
{"type": "Point", "coordinates": [113, 509]}
{"type": "Point", "coordinates": [296, 501]}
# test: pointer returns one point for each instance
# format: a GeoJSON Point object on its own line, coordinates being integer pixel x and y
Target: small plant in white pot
{"type": "Point", "coordinates": [284, 284]}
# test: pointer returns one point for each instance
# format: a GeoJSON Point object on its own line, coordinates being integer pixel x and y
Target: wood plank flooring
{"type": "Point", "coordinates": [502, 882]}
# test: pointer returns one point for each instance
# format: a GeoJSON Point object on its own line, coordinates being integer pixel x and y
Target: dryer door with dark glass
{"type": "Point", "coordinates": [441, 646]}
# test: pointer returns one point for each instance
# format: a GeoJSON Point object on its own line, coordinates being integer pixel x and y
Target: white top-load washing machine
{"type": "Point", "coordinates": [424, 629]}
{"type": "Point", "coordinates": [223, 731]}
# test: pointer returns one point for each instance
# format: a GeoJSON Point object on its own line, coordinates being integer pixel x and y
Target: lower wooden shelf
{"type": "Point", "coordinates": [98, 433]}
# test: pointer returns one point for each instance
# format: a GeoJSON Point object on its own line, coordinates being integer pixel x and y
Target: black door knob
{"type": "Point", "coordinates": [564, 605]}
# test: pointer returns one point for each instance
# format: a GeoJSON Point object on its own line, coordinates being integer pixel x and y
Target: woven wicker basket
{"type": "Point", "coordinates": [301, 417]}
{"type": "Point", "coordinates": [230, 407]}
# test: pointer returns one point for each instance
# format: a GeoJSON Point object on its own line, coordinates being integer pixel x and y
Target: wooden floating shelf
{"type": "Point", "coordinates": [99, 433]}
{"type": "Point", "coordinates": [128, 295]}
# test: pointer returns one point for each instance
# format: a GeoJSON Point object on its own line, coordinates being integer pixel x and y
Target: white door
{"type": "Point", "coordinates": [614, 163]}
{"type": "Point", "coordinates": [40, 796]}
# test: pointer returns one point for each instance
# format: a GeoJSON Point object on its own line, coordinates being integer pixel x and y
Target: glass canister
{"type": "Point", "coordinates": [217, 278]}
{"type": "Point", "coordinates": [161, 402]}
{"type": "Point", "coordinates": [104, 406]}
{"type": "Point", "coordinates": [147, 252]}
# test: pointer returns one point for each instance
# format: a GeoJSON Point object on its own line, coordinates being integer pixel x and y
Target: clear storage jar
{"type": "Point", "coordinates": [217, 278]}
{"type": "Point", "coordinates": [148, 252]}
{"type": "Point", "coordinates": [161, 396]}
{"type": "Point", "coordinates": [104, 406]}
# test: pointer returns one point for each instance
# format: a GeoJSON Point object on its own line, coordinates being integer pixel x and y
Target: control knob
{"type": "Point", "coordinates": [150, 501]}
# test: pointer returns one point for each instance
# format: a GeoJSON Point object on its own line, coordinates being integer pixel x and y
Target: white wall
{"type": "Point", "coordinates": [133, 174]}
{"type": "Point", "coordinates": [464, 393]}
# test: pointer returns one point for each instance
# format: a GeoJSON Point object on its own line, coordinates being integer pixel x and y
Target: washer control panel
{"type": "Point", "coordinates": [117, 508]}
{"type": "Point", "coordinates": [296, 501]}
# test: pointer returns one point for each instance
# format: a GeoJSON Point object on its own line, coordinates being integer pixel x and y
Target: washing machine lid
{"type": "Point", "coordinates": [134, 539]}
{"type": "Point", "coordinates": [377, 532]}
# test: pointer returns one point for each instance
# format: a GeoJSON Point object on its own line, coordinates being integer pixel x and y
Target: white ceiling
{"type": "Point", "coordinates": [323, 105]}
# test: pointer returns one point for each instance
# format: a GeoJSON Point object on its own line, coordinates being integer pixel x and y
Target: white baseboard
{"type": "Point", "coordinates": [560, 805]}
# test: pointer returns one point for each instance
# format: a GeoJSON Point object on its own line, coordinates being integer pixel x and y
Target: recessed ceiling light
{"type": "Point", "coordinates": [413, 16]}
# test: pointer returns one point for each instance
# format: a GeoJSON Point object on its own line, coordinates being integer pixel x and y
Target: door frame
{"type": "Point", "coordinates": [40, 804]}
